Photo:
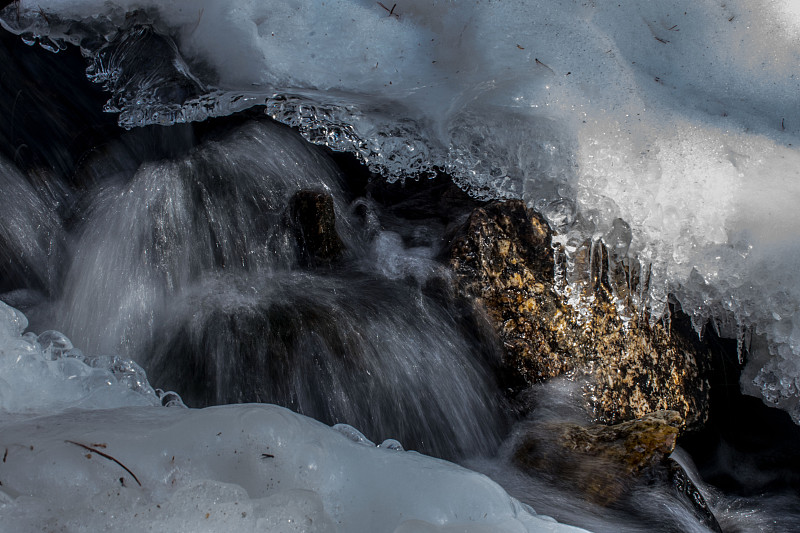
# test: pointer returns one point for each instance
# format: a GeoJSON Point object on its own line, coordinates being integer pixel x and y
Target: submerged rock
{"type": "Point", "coordinates": [600, 462]}
{"type": "Point", "coordinates": [313, 221]}
{"type": "Point", "coordinates": [688, 492]}
{"type": "Point", "coordinates": [613, 465]}
{"type": "Point", "coordinates": [502, 256]}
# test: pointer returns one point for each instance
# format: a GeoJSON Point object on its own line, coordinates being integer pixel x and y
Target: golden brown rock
{"type": "Point", "coordinates": [503, 258]}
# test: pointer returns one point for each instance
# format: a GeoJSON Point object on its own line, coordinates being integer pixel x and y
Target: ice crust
{"type": "Point", "coordinates": [118, 460]}
{"type": "Point", "coordinates": [679, 118]}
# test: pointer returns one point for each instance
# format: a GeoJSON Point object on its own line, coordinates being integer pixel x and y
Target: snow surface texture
{"type": "Point", "coordinates": [122, 462]}
{"type": "Point", "coordinates": [679, 117]}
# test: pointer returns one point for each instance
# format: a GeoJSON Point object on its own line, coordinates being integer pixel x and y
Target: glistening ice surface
{"type": "Point", "coordinates": [669, 130]}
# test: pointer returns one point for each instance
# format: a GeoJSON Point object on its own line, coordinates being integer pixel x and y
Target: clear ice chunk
{"type": "Point", "coordinates": [54, 343]}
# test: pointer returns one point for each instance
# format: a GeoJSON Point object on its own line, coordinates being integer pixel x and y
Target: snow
{"type": "Point", "coordinates": [88, 449]}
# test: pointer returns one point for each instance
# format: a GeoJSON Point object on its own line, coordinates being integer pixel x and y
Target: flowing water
{"type": "Point", "coordinates": [189, 265]}
{"type": "Point", "coordinates": [176, 247]}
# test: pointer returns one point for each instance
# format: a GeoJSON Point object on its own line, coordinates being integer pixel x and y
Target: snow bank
{"type": "Point", "coordinates": [679, 117]}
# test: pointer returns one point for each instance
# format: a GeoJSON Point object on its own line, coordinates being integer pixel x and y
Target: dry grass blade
{"type": "Point", "coordinates": [110, 458]}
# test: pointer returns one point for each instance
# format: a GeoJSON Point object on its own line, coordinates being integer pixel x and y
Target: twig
{"type": "Point", "coordinates": [391, 11]}
{"type": "Point", "coordinates": [661, 40]}
{"type": "Point", "coordinates": [545, 66]}
{"type": "Point", "coordinates": [98, 452]}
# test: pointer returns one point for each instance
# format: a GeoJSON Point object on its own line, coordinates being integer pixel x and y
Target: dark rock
{"type": "Point", "coordinates": [600, 462]}
{"type": "Point", "coordinates": [688, 492]}
{"type": "Point", "coordinates": [313, 221]}
{"type": "Point", "coordinates": [502, 257]}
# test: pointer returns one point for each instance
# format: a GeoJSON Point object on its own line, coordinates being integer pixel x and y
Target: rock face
{"type": "Point", "coordinates": [314, 224]}
{"type": "Point", "coordinates": [601, 462]}
{"type": "Point", "coordinates": [502, 257]}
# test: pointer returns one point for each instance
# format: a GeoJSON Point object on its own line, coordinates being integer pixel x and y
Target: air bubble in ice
{"type": "Point", "coordinates": [12, 320]}
{"type": "Point", "coordinates": [170, 398]}
{"type": "Point", "coordinates": [618, 238]}
{"type": "Point", "coordinates": [353, 434]}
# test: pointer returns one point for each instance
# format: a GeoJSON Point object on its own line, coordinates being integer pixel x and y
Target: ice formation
{"type": "Point", "coordinates": [94, 450]}
{"type": "Point", "coordinates": [678, 118]}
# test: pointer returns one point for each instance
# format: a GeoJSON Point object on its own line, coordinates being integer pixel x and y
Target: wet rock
{"type": "Point", "coordinates": [313, 221]}
{"type": "Point", "coordinates": [688, 492]}
{"type": "Point", "coordinates": [503, 258]}
{"type": "Point", "coordinates": [600, 462]}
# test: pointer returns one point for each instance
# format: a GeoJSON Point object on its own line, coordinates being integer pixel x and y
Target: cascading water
{"type": "Point", "coordinates": [190, 267]}
{"type": "Point", "coordinates": [351, 349]}
{"type": "Point", "coordinates": [30, 232]}
{"type": "Point", "coordinates": [151, 233]}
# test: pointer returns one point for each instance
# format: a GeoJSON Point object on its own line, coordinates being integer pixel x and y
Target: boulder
{"type": "Point", "coordinates": [600, 462]}
{"type": "Point", "coordinates": [608, 464]}
{"type": "Point", "coordinates": [313, 221]}
{"type": "Point", "coordinates": [502, 258]}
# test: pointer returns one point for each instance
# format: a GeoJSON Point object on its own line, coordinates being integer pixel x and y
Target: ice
{"type": "Point", "coordinates": [88, 447]}
{"type": "Point", "coordinates": [392, 444]}
{"type": "Point", "coordinates": [353, 434]}
{"type": "Point", "coordinates": [242, 468]}
{"type": "Point", "coordinates": [677, 117]}
{"type": "Point", "coordinates": [45, 374]}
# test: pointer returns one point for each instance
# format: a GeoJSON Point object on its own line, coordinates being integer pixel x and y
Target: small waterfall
{"type": "Point", "coordinates": [189, 265]}
{"type": "Point", "coordinates": [667, 175]}
{"type": "Point", "coordinates": [341, 348]}
{"type": "Point", "coordinates": [147, 237]}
